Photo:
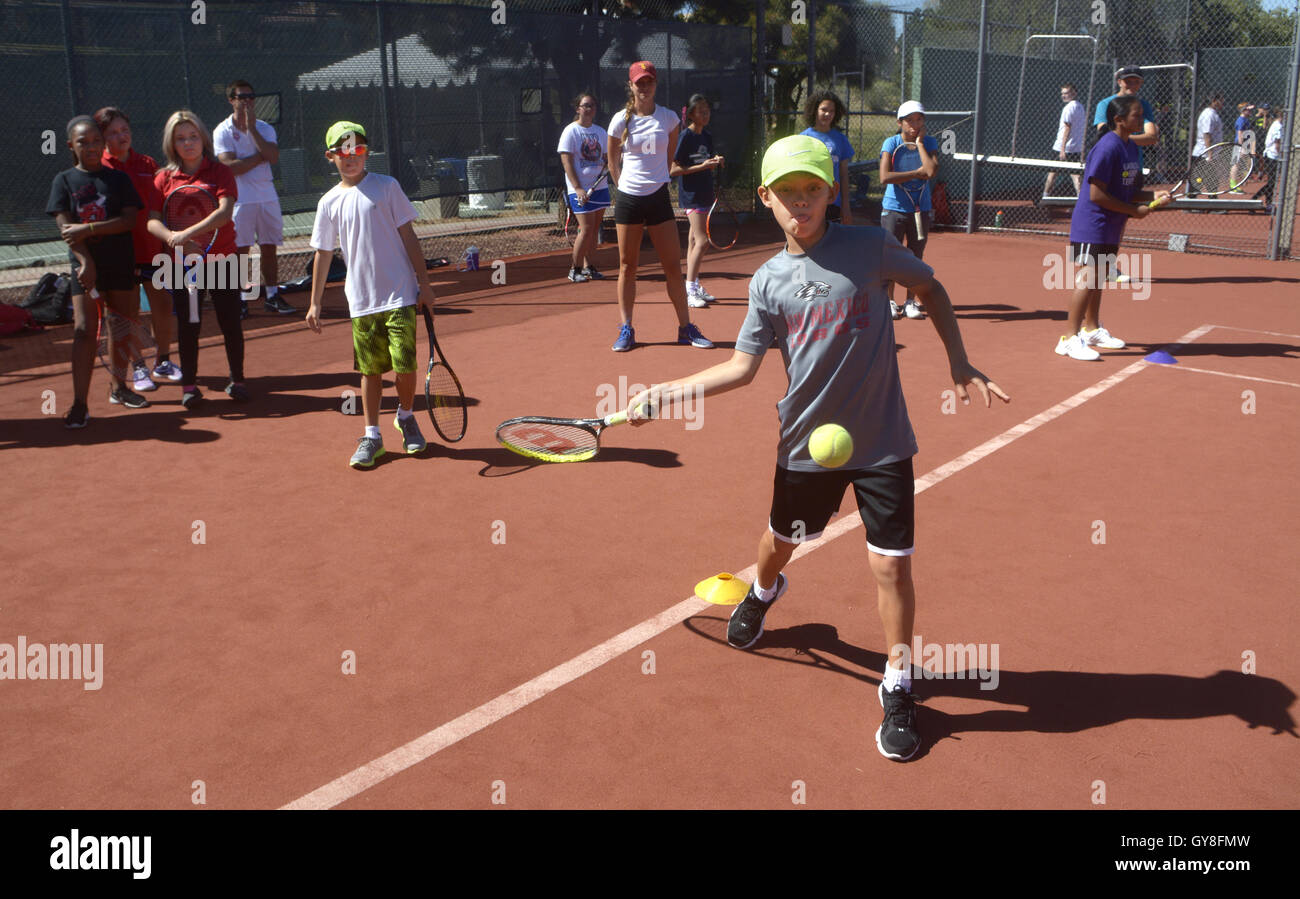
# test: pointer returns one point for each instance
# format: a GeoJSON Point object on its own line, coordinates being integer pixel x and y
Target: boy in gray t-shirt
{"type": "Point", "coordinates": [821, 298]}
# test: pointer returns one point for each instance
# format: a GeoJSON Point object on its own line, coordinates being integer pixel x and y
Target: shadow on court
{"type": "Point", "coordinates": [500, 462]}
{"type": "Point", "coordinates": [156, 423]}
{"type": "Point", "coordinates": [1226, 350]}
{"type": "Point", "coordinates": [1053, 701]}
{"type": "Point", "coordinates": [1226, 279]}
{"type": "Point", "coordinates": [1000, 312]}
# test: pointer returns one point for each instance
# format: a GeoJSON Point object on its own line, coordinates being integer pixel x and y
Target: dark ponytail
{"type": "Point", "coordinates": [1118, 108]}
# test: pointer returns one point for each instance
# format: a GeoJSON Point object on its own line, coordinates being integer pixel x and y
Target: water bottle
{"type": "Point", "coordinates": [471, 259]}
{"type": "Point", "coordinates": [998, 221]}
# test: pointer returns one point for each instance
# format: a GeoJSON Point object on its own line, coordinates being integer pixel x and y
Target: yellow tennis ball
{"type": "Point", "coordinates": [830, 446]}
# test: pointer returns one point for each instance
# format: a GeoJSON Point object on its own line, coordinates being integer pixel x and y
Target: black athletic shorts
{"type": "Point", "coordinates": [804, 501]}
{"type": "Point", "coordinates": [654, 209]}
{"type": "Point", "coordinates": [903, 226]}
{"type": "Point", "coordinates": [1098, 258]}
{"type": "Point", "coordinates": [113, 271]}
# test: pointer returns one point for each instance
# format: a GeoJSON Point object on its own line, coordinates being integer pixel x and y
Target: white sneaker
{"type": "Point", "coordinates": [895, 311]}
{"type": "Point", "coordinates": [708, 297]}
{"type": "Point", "coordinates": [913, 309]}
{"type": "Point", "coordinates": [1101, 337]}
{"type": "Point", "coordinates": [694, 299]}
{"type": "Point", "coordinates": [1075, 348]}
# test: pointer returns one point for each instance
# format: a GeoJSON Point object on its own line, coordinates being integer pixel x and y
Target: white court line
{"type": "Point", "coordinates": [1226, 374]}
{"type": "Point", "coordinates": [1256, 331]}
{"type": "Point", "coordinates": [423, 747]}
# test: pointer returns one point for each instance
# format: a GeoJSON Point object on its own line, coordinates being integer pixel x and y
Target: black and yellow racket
{"type": "Point", "coordinates": [442, 391]}
{"type": "Point", "coordinates": [557, 439]}
{"type": "Point", "coordinates": [1222, 169]}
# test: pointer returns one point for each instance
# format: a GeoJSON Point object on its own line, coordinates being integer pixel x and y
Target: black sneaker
{"type": "Point", "coordinates": [77, 416]}
{"type": "Point", "coordinates": [746, 624]}
{"type": "Point", "coordinates": [896, 738]}
{"type": "Point", "coordinates": [237, 392]}
{"type": "Point", "coordinates": [125, 396]}
{"type": "Point", "coordinates": [278, 306]}
{"type": "Point", "coordinates": [191, 399]}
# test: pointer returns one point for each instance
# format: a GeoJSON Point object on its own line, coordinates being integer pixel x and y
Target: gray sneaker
{"type": "Point", "coordinates": [368, 450]}
{"type": "Point", "coordinates": [412, 439]}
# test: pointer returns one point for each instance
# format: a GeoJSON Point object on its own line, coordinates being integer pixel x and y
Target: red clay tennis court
{"type": "Point", "coordinates": [1120, 540]}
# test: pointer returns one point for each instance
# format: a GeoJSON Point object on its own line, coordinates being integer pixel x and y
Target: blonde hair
{"type": "Point", "coordinates": [629, 110]}
{"type": "Point", "coordinates": [174, 121]}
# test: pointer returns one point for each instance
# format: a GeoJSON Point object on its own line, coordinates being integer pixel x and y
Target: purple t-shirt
{"type": "Point", "coordinates": [1115, 166]}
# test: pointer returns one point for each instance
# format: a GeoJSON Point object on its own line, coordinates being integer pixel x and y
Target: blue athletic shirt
{"type": "Point", "coordinates": [695, 191]}
{"type": "Point", "coordinates": [895, 199]}
{"type": "Point", "coordinates": [1113, 164]}
{"type": "Point", "coordinates": [840, 149]}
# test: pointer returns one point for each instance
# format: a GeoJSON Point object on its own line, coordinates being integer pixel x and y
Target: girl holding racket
{"type": "Point", "coordinates": [822, 113]}
{"type": "Point", "coordinates": [582, 153]}
{"type": "Point", "coordinates": [695, 163]}
{"type": "Point", "coordinates": [642, 136]}
{"type": "Point", "coordinates": [1111, 194]}
{"type": "Point", "coordinates": [908, 161]}
{"type": "Point", "coordinates": [95, 208]}
{"type": "Point", "coordinates": [194, 178]}
{"type": "Point", "coordinates": [119, 155]}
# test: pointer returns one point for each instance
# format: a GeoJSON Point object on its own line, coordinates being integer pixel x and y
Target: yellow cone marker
{"type": "Point", "coordinates": [723, 589]}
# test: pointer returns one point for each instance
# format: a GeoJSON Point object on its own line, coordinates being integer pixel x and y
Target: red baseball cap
{"type": "Point", "coordinates": [639, 71]}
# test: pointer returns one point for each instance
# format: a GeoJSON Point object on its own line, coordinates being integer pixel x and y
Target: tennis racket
{"type": "Point", "coordinates": [571, 220]}
{"type": "Point", "coordinates": [185, 207]}
{"type": "Point", "coordinates": [442, 391]}
{"type": "Point", "coordinates": [907, 158]}
{"type": "Point", "coordinates": [721, 226]}
{"type": "Point", "coordinates": [123, 343]}
{"type": "Point", "coordinates": [1217, 172]}
{"type": "Point", "coordinates": [556, 439]}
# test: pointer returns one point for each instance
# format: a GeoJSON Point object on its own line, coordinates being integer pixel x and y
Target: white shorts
{"type": "Point", "coordinates": [258, 224]}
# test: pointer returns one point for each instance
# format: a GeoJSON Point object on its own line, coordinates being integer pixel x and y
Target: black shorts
{"type": "Point", "coordinates": [803, 501]}
{"type": "Point", "coordinates": [144, 272]}
{"type": "Point", "coordinates": [1098, 258]}
{"type": "Point", "coordinates": [654, 209]}
{"type": "Point", "coordinates": [112, 272]}
{"type": "Point", "coordinates": [903, 226]}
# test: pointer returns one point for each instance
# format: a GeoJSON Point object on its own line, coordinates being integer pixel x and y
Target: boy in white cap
{"type": "Point", "coordinates": [821, 300]}
{"type": "Point", "coordinates": [369, 218]}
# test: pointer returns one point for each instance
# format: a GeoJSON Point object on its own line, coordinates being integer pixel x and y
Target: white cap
{"type": "Point", "coordinates": [908, 108]}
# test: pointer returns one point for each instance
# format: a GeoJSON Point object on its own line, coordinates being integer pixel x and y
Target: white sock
{"type": "Point", "coordinates": [897, 677]}
{"type": "Point", "coordinates": [372, 431]}
{"type": "Point", "coordinates": [404, 414]}
{"type": "Point", "coordinates": [767, 594]}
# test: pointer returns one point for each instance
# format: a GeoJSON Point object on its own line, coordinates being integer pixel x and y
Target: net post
{"type": "Point", "coordinates": [979, 120]}
{"type": "Point", "coordinates": [1286, 184]}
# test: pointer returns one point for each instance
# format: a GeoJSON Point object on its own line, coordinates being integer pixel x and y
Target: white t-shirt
{"type": "Point", "coordinates": [1072, 115]}
{"type": "Point", "coordinates": [588, 147]}
{"type": "Point", "coordinates": [255, 185]}
{"type": "Point", "coordinates": [363, 221]}
{"type": "Point", "coordinates": [1273, 142]}
{"type": "Point", "coordinates": [646, 150]}
{"type": "Point", "coordinates": [1207, 122]}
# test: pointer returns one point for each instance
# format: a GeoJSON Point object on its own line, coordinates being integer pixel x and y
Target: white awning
{"type": "Point", "coordinates": [415, 64]}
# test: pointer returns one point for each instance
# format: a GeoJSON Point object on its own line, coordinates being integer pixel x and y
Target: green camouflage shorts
{"type": "Point", "coordinates": [384, 341]}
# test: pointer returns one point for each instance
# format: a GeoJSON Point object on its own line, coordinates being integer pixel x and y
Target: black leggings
{"type": "Point", "coordinates": [226, 304]}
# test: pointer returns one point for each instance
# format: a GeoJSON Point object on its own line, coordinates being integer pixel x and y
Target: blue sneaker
{"type": "Point", "coordinates": [626, 338]}
{"type": "Point", "coordinates": [691, 334]}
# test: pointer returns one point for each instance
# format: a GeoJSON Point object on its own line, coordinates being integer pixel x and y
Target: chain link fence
{"type": "Point", "coordinates": [463, 103]}
{"type": "Point", "coordinates": [1189, 51]}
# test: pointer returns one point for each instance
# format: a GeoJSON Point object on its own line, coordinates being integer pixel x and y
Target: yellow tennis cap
{"type": "Point", "coordinates": [798, 153]}
{"type": "Point", "coordinates": [340, 130]}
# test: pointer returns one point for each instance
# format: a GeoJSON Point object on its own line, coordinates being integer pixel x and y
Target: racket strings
{"type": "Point", "coordinates": [549, 440]}
{"type": "Point", "coordinates": [446, 402]}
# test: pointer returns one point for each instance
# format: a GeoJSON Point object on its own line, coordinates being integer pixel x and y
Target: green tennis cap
{"type": "Point", "coordinates": [340, 130]}
{"type": "Point", "coordinates": [798, 153]}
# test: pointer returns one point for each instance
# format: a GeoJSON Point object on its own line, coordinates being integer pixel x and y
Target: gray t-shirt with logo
{"type": "Point", "coordinates": [828, 312]}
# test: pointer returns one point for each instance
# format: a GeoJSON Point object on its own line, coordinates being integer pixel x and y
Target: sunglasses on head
{"type": "Point", "coordinates": [357, 150]}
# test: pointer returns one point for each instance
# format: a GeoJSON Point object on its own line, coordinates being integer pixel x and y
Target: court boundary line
{"type": "Point", "coordinates": [1228, 374]}
{"type": "Point", "coordinates": [358, 780]}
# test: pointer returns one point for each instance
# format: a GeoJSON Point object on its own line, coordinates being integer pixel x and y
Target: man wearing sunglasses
{"type": "Point", "coordinates": [248, 146]}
